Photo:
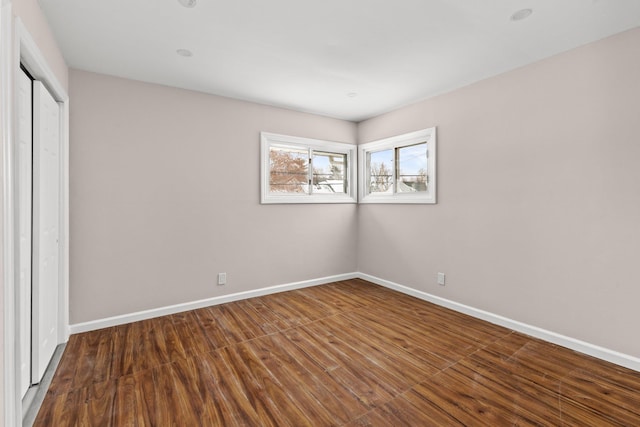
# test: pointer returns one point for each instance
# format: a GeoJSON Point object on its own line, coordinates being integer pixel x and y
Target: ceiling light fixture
{"type": "Point", "coordinates": [352, 94]}
{"type": "Point", "coordinates": [521, 14]}
{"type": "Point", "coordinates": [188, 3]}
{"type": "Point", "coordinates": [184, 52]}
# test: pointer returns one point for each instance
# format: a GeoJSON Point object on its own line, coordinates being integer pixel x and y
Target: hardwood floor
{"type": "Point", "coordinates": [347, 353]}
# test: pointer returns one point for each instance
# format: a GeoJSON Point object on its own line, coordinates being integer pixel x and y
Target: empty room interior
{"type": "Point", "coordinates": [350, 213]}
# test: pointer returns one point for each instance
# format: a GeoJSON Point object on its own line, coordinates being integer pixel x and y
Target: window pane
{"type": "Point", "coordinates": [329, 173]}
{"type": "Point", "coordinates": [288, 170]}
{"type": "Point", "coordinates": [380, 171]}
{"type": "Point", "coordinates": [412, 168]}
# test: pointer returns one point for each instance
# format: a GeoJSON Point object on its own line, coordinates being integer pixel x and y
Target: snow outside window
{"type": "Point", "coordinates": [400, 169]}
{"type": "Point", "coordinates": [302, 170]}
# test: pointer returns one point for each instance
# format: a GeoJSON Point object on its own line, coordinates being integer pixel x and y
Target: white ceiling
{"type": "Point", "coordinates": [309, 55]}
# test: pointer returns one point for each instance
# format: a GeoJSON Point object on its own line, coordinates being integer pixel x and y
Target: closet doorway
{"type": "Point", "coordinates": [38, 219]}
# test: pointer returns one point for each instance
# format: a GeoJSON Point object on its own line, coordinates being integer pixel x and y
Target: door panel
{"type": "Point", "coordinates": [24, 227]}
{"type": "Point", "coordinates": [46, 188]}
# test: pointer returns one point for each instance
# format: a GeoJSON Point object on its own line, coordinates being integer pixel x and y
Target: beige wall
{"type": "Point", "coordinates": [165, 194]}
{"type": "Point", "coordinates": [538, 214]}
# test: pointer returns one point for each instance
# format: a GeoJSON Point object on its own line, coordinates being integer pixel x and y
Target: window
{"type": "Point", "coordinates": [302, 170]}
{"type": "Point", "coordinates": [400, 169]}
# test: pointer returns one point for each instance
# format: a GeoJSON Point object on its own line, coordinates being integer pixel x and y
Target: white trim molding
{"type": "Point", "coordinates": [606, 354]}
{"type": "Point", "coordinates": [223, 299]}
{"type": "Point", "coordinates": [11, 404]}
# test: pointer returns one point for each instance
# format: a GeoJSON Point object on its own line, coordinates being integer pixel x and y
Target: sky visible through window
{"type": "Point", "coordinates": [413, 159]}
{"type": "Point", "coordinates": [301, 170]}
{"type": "Point", "coordinates": [410, 169]}
{"type": "Point", "coordinates": [321, 163]}
{"type": "Point", "coordinates": [399, 169]}
{"type": "Point", "coordinates": [383, 157]}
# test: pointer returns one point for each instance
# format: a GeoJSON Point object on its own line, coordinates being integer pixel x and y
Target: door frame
{"type": "Point", "coordinates": [19, 46]}
{"type": "Point", "coordinates": [24, 265]}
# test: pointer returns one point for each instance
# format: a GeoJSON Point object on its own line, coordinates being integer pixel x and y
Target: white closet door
{"type": "Point", "coordinates": [46, 190]}
{"type": "Point", "coordinates": [24, 227]}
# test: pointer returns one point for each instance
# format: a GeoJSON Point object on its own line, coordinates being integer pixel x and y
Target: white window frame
{"type": "Point", "coordinates": [268, 140]}
{"type": "Point", "coordinates": [392, 143]}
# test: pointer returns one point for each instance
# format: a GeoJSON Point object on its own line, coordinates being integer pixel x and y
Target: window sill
{"type": "Point", "coordinates": [274, 200]}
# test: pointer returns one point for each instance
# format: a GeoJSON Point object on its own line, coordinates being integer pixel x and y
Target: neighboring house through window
{"type": "Point", "coordinates": [303, 170]}
{"type": "Point", "coordinates": [400, 169]}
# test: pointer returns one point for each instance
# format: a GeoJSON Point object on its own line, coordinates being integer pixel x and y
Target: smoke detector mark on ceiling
{"type": "Point", "coordinates": [184, 52]}
{"type": "Point", "coordinates": [188, 3]}
{"type": "Point", "coordinates": [521, 14]}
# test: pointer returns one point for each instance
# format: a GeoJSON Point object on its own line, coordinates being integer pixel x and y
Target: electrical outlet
{"type": "Point", "coordinates": [222, 278]}
{"type": "Point", "coordinates": [441, 278]}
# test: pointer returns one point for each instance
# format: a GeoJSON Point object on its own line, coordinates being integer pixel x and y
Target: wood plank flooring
{"type": "Point", "coordinates": [346, 354]}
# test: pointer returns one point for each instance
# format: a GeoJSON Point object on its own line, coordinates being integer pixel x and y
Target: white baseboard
{"type": "Point", "coordinates": [612, 356]}
{"type": "Point", "coordinates": [177, 308]}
